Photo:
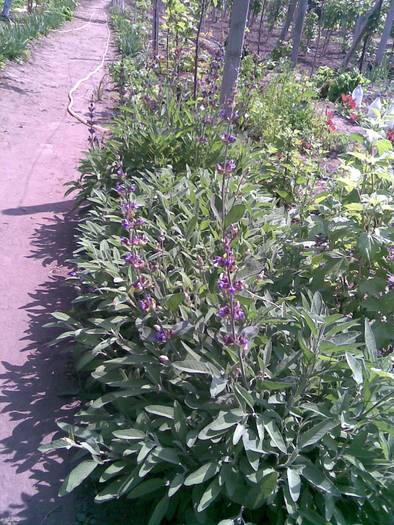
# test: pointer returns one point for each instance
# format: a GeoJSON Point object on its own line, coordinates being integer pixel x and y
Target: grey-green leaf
{"type": "Point", "coordinates": [204, 473]}
{"type": "Point", "coordinates": [77, 476]}
{"type": "Point", "coordinates": [294, 481]}
{"type": "Point", "coordinates": [161, 410]}
{"type": "Point", "coordinates": [276, 436]}
{"type": "Point", "coordinates": [209, 495]}
{"type": "Point", "coordinates": [316, 477]}
{"type": "Point", "coordinates": [316, 433]}
{"type": "Point", "coordinates": [356, 368]}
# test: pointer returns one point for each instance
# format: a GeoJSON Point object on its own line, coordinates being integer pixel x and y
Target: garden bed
{"type": "Point", "coordinates": [234, 319]}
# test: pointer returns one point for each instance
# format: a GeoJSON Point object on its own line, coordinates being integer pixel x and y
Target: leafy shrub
{"type": "Point", "coordinates": [220, 387]}
{"type": "Point", "coordinates": [283, 111]}
{"type": "Point", "coordinates": [291, 434]}
{"type": "Point", "coordinates": [332, 85]}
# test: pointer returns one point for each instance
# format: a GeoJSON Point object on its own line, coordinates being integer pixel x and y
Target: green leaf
{"type": "Point", "coordinates": [235, 214]}
{"type": "Point", "coordinates": [294, 481]}
{"type": "Point", "coordinates": [275, 435]}
{"type": "Point", "coordinates": [202, 474]}
{"type": "Point", "coordinates": [77, 476]}
{"type": "Point", "coordinates": [195, 367]}
{"type": "Point", "coordinates": [257, 496]}
{"type": "Point", "coordinates": [146, 487]}
{"type": "Point", "coordinates": [218, 385]}
{"type": "Point", "coordinates": [161, 410]}
{"type": "Point", "coordinates": [356, 368]}
{"type": "Point", "coordinates": [173, 301]}
{"type": "Point", "coordinates": [175, 485]}
{"type": "Point", "coordinates": [316, 477]}
{"type": "Point", "coordinates": [166, 454]}
{"type": "Point", "coordinates": [370, 342]}
{"type": "Point", "coordinates": [315, 434]}
{"type": "Point", "coordinates": [129, 434]}
{"type": "Point", "coordinates": [160, 511]}
{"type": "Point", "coordinates": [209, 495]}
{"type": "Point", "coordinates": [243, 396]}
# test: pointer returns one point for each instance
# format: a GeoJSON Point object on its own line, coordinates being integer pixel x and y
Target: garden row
{"type": "Point", "coordinates": [16, 36]}
{"type": "Point", "coordinates": [234, 313]}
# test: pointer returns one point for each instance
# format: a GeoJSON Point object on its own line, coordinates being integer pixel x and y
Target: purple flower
{"type": "Point", "coordinates": [133, 188]}
{"type": "Point", "coordinates": [390, 281]}
{"type": "Point", "coordinates": [120, 188]}
{"type": "Point", "coordinates": [134, 260]}
{"type": "Point", "coordinates": [148, 304]}
{"type": "Point", "coordinates": [238, 313]}
{"type": "Point", "coordinates": [141, 284]}
{"type": "Point", "coordinates": [227, 167]}
{"type": "Point", "coordinates": [224, 311]}
{"type": "Point", "coordinates": [228, 340]}
{"type": "Point", "coordinates": [162, 335]}
{"type": "Point", "coordinates": [125, 224]}
{"type": "Point", "coordinates": [239, 286]}
{"type": "Point", "coordinates": [223, 282]}
{"type": "Point", "coordinates": [226, 261]}
{"type": "Point", "coordinates": [391, 253]}
{"type": "Point", "coordinates": [124, 240]}
{"type": "Point", "coordinates": [140, 240]}
{"type": "Point", "coordinates": [243, 342]}
{"type": "Point", "coordinates": [128, 208]}
{"type": "Point", "coordinates": [227, 138]}
{"type": "Point", "coordinates": [140, 221]}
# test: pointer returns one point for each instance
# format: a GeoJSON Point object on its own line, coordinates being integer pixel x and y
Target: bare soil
{"type": "Point", "coordinates": [40, 146]}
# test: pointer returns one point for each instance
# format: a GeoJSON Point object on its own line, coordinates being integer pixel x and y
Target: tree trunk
{"type": "Point", "coordinates": [286, 24]}
{"type": "Point", "coordinates": [298, 29]}
{"type": "Point", "coordinates": [363, 52]}
{"type": "Point", "coordinates": [197, 47]}
{"type": "Point", "coordinates": [155, 28]}
{"type": "Point", "coordinates": [319, 34]}
{"type": "Point", "coordinates": [234, 49]}
{"type": "Point", "coordinates": [261, 26]}
{"type": "Point", "coordinates": [385, 35]}
{"type": "Point", "coordinates": [363, 27]}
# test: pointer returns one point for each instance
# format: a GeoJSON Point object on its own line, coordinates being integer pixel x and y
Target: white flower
{"type": "Point", "coordinates": [358, 95]}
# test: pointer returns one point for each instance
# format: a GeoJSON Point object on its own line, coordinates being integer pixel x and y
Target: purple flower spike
{"type": "Point", "coordinates": [223, 282]}
{"type": "Point", "coordinates": [134, 260]}
{"type": "Point", "coordinates": [162, 335]}
{"type": "Point", "coordinates": [238, 313]}
{"type": "Point", "coordinates": [148, 304]}
{"type": "Point", "coordinates": [126, 224]}
{"type": "Point", "coordinates": [224, 311]}
{"type": "Point", "coordinates": [120, 188]}
{"type": "Point", "coordinates": [227, 138]}
{"type": "Point", "coordinates": [390, 281]}
{"type": "Point", "coordinates": [228, 167]}
{"type": "Point", "coordinates": [243, 342]}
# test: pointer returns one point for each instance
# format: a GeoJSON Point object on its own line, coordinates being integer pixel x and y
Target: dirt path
{"type": "Point", "coordinates": [40, 146]}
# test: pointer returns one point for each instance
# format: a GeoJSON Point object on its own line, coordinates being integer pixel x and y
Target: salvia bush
{"type": "Point", "coordinates": [227, 384]}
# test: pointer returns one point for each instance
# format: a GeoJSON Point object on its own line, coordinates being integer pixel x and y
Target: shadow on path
{"type": "Point", "coordinates": [31, 392]}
